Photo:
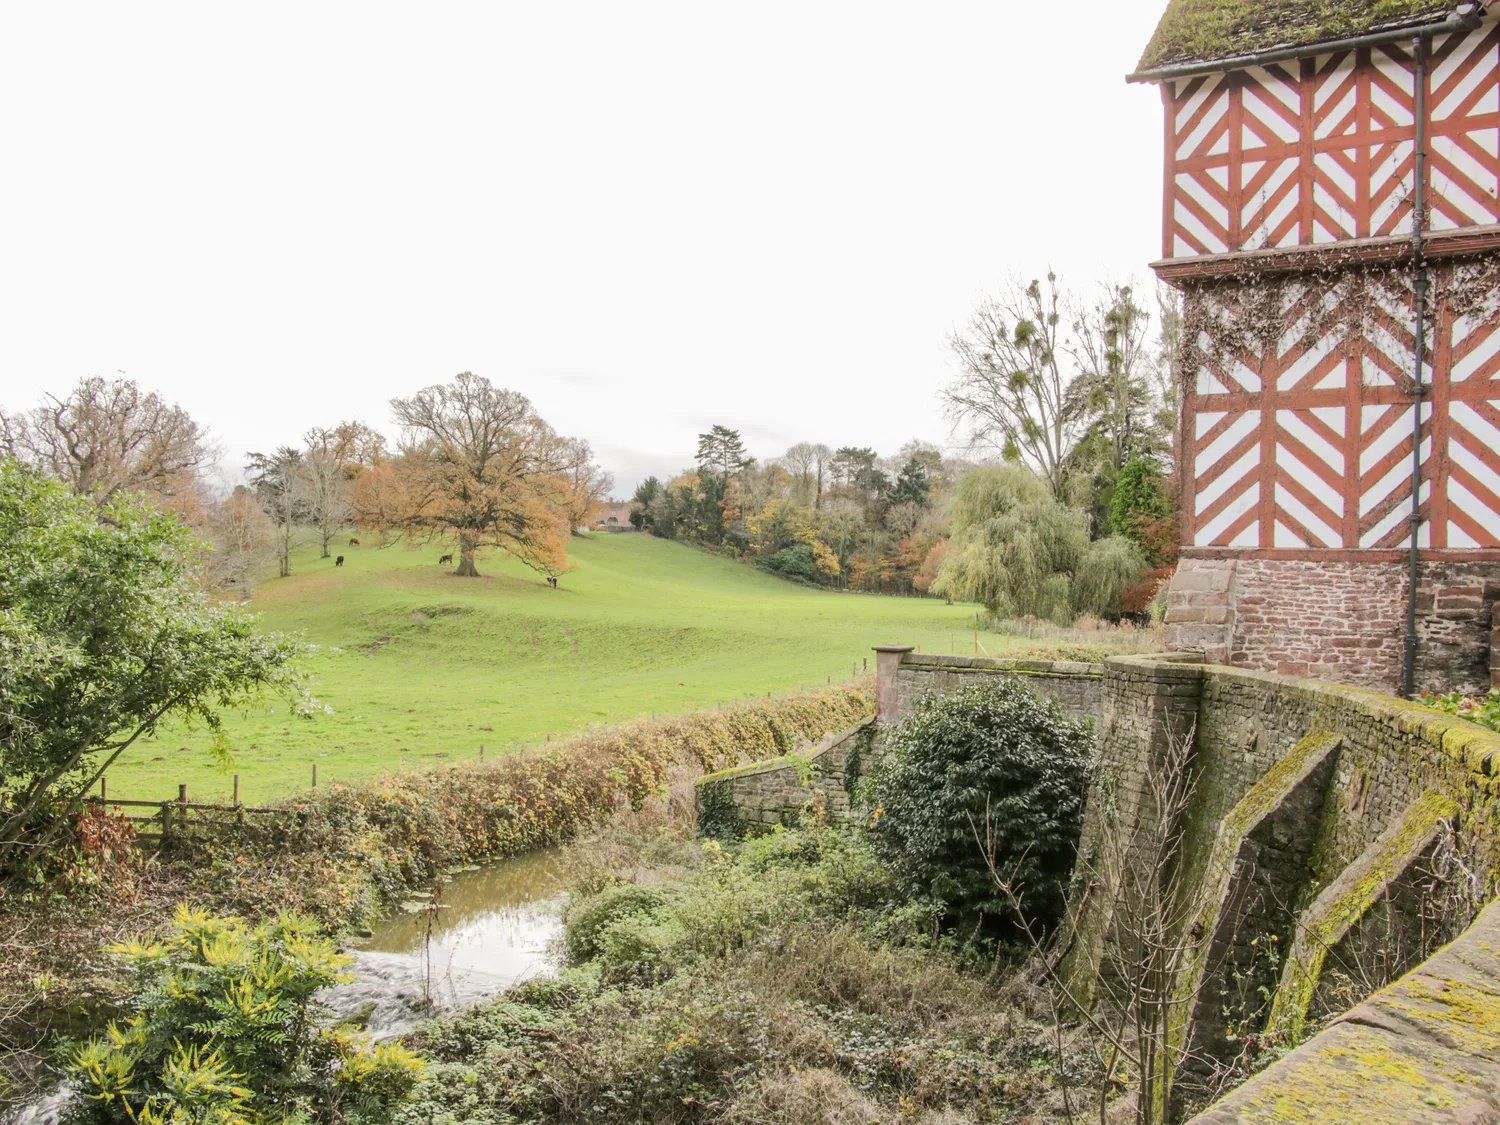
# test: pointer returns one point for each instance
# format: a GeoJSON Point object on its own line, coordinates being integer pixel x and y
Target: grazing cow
{"type": "Point", "coordinates": [339, 561]}
{"type": "Point", "coordinates": [445, 559]}
{"type": "Point", "coordinates": [354, 542]}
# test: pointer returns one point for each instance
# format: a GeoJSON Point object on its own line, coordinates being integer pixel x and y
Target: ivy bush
{"type": "Point", "coordinates": [989, 768]}
{"type": "Point", "coordinates": [223, 1030]}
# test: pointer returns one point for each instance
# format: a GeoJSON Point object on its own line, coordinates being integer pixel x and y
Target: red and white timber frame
{"type": "Point", "coordinates": [1302, 447]}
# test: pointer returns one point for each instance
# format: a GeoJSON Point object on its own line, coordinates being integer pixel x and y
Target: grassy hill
{"type": "Point", "coordinates": [419, 666]}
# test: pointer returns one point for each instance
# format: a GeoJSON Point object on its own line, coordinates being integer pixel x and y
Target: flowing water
{"type": "Point", "coordinates": [476, 935]}
{"type": "Point", "coordinates": [468, 938]}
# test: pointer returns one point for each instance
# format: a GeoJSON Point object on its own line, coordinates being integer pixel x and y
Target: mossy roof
{"type": "Point", "coordinates": [1206, 30]}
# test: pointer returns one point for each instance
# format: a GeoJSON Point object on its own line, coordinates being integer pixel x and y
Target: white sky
{"type": "Point", "coordinates": [648, 217]}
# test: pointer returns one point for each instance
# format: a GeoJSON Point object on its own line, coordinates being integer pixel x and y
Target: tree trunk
{"type": "Point", "coordinates": [466, 567]}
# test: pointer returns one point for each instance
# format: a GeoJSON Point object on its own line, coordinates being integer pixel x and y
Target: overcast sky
{"type": "Point", "coordinates": [647, 217]}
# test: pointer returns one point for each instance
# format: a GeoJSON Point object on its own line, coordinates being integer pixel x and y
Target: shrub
{"type": "Point", "coordinates": [1484, 710]}
{"type": "Point", "coordinates": [1139, 502]}
{"type": "Point", "coordinates": [588, 920]}
{"type": "Point", "coordinates": [223, 1029]}
{"type": "Point", "coordinates": [988, 767]}
{"type": "Point", "coordinates": [766, 986]}
{"type": "Point", "coordinates": [793, 562]}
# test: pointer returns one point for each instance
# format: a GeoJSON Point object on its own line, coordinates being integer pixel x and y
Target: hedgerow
{"type": "Point", "coordinates": [354, 845]}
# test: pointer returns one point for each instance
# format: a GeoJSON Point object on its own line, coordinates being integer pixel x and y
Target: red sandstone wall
{"type": "Point", "coordinates": [1329, 620]}
{"type": "Point", "coordinates": [1339, 620]}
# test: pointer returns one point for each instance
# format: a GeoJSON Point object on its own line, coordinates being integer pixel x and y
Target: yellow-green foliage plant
{"type": "Point", "coordinates": [222, 1029]}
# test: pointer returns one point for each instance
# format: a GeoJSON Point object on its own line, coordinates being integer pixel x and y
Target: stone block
{"type": "Point", "coordinates": [1495, 647]}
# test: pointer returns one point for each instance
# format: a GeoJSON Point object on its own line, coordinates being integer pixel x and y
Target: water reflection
{"type": "Point", "coordinates": [476, 935]}
{"type": "Point", "coordinates": [498, 920]}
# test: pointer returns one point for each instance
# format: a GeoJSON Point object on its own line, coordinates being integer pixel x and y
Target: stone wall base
{"type": "Point", "coordinates": [1339, 620]}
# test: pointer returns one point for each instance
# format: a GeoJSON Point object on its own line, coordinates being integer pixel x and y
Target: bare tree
{"type": "Point", "coordinates": [1165, 377]}
{"type": "Point", "coordinates": [334, 457]}
{"type": "Point", "coordinates": [107, 436]}
{"type": "Point", "coordinates": [1138, 1002]}
{"type": "Point", "coordinates": [1111, 345]}
{"type": "Point", "coordinates": [806, 462]}
{"type": "Point", "coordinates": [280, 481]}
{"type": "Point", "coordinates": [588, 486]}
{"type": "Point", "coordinates": [327, 493]}
{"type": "Point", "coordinates": [242, 535]}
{"type": "Point", "coordinates": [1010, 386]}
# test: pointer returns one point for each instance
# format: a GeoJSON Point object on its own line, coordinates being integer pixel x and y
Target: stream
{"type": "Point", "coordinates": [479, 933]}
{"type": "Point", "coordinates": [475, 935]}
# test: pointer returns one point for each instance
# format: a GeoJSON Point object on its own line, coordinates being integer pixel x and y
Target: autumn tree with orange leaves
{"type": "Point", "coordinates": [476, 462]}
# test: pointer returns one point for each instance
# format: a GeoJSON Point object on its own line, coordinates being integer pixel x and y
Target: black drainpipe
{"type": "Point", "coordinates": [1419, 303]}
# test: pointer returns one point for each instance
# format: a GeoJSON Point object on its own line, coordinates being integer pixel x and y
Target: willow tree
{"type": "Point", "coordinates": [1017, 550]}
{"type": "Point", "coordinates": [478, 463]}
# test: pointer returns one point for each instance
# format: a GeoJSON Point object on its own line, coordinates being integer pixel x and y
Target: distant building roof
{"type": "Point", "coordinates": [1207, 30]}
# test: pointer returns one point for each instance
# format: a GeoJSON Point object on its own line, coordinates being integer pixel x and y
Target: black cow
{"type": "Point", "coordinates": [339, 561]}
{"type": "Point", "coordinates": [445, 559]}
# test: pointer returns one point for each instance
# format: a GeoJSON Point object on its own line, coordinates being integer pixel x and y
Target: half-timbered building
{"type": "Point", "coordinates": [1331, 214]}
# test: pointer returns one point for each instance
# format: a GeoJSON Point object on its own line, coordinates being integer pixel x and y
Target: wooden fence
{"type": "Point", "coordinates": [168, 817]}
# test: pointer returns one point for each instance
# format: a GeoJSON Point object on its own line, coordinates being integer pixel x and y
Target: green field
{"type": "Point", "coordinates": [419, 666]}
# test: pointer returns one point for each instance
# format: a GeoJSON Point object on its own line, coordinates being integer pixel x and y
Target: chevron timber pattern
{"type": "Point", "coordinates": [1307, 444]}
{"type": "Point", "coordinates": [1321, 150]}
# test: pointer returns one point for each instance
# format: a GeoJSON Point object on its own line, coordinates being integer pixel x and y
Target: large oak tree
{"type": "Point", "coordinates": [479, 463]}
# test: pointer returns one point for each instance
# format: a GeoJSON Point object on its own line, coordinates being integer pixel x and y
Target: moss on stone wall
{"type": "Point", "coordinates": [1345, 903]}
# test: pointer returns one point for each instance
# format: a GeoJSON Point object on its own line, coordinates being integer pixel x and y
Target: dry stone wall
{"type": "Point", "coordinates": [752, 799]}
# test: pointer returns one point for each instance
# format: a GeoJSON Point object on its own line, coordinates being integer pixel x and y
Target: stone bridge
{"type": "Point", "coordinates": [1330, 836]}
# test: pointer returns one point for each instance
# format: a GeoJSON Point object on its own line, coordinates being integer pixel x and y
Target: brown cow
{"type": "Point", "coordinates": [354, 542]}
{"type": "Point", "coordinates": [445, 559]}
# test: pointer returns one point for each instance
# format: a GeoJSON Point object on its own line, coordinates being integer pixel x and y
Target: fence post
{"type": "Point", "coordinates": [102, 791]}
{"type": "Point", "coordinates": [315, 775]}
{"type": "Point", "coordinates": [236, 789]}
